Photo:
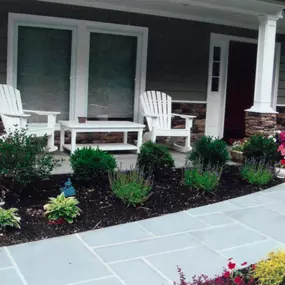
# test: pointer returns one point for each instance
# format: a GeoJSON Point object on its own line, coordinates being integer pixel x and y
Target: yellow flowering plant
{"type": "Point", "coordinates": [271, 271]}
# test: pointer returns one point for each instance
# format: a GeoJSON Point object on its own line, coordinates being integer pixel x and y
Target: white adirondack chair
{"type": "Point", "coordinates": [14, 117]}
{"type": "Point", "coordinates": [157, 108]}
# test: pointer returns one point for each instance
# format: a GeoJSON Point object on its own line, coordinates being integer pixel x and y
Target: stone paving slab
{"type": "Point", "coordinates": [148, 252]}
{"type": "Point", "coordinates": [117, 234]}
{"type": "Point", "coordinates": [138, 272]}
{"type": "Point", "coordinates": [213, 209]}
{"type": "Point", "coordinates": [263, 220]}
{"type": "Point", "coordinates": [60, 261]}
{"type": "Point", "coordinates": [4, 259]}
{"type": "Point", "coordinates": [227, 236]}
{"type": "Point", "coordinates": [10, 277]}
{"type": "Point", "coordinates": [253, 252]}
{"type": "Point", "coordinates": [215, 219]}
{"type": "Point", "coordinates": [139, 249]}
{"type": "Point", "coordinates": [193, 261]}
{"type": "Point", "coordinates": [172, 223]}
{"type": "Point", "coordinates": [107, 281]}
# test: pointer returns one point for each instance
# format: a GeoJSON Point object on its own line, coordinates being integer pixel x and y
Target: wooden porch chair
{"type": "Point", "coordinates": [157, 108]}
{"type": "Point", "coordinates": [14, 117]}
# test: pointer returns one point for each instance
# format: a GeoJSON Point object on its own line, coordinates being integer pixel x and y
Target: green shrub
{"type": "Point", "coordinates": [210, 151]}
{"type": "Point", "coordinates": [201, 177]}
{"type": "Point", "coordinates": [9, 218]}
{"type": "Point", "coordinates": [257, 173]}
{"type": "Point", "coordinates": [154, 157]}
{"type": "Point", "coordinates": [271, 271]}
{"type": "Point", "coordinates": [260, 147]}
{"type": "Point", "coordinates": [24, 158]}
{"type": "Point", "coordinates": [89, 163]}
{"type": "Point", "coordinates": [131, 187]}
{"type": "Point", "coordinates": [61, 207]}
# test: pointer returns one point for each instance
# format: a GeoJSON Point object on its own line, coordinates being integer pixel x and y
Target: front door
{"type": "Point", "coordinates": [240, 87]}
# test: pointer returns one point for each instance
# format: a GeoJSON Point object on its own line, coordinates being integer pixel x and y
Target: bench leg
{"type": "Point", "coordinates": [140, 139]}
{"type": "Point", "coordinates": [61, 138]}
{"type": "Point", "coordinates": [73, 141]}
{"type": "Point", "coordinates": [125, 137]}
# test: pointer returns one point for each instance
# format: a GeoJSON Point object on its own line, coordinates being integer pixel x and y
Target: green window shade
{"type": "Point", "coordinates": [111, 83]}
{"type": "Point", "coordinates": [44, 59]}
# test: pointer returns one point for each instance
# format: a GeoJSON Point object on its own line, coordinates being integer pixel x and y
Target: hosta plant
{"type": "Point", "coordinates": [9, 218]}
{"type": "Point", "coordinates": [62, 208]}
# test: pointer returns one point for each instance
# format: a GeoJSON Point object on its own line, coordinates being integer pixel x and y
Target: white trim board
{"type": "Point", "coordinates": [175, 15]}
{"type": "Point", "coordinates": [80, 54]}
{"type": "Point", "coordinates": [216, 101]}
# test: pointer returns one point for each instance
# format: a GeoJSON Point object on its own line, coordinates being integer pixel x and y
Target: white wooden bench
{"type": "Point", "coordinates": [101, 127]}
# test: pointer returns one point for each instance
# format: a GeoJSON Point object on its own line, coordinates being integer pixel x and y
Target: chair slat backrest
{"type": "Point", "coordinates": [11, 102]}
{"type": "Point", "coordinates": [157, 103]}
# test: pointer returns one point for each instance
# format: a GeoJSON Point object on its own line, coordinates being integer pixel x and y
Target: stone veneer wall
{"type": "Point", "coordinates": [193, 109]}
{"type": "Point", "coordinates": [259, 123]}
{"type": "Point", "coordinates": [280, 118]}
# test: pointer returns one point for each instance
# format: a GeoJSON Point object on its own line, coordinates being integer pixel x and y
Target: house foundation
{"type": "Point", "coordinates": [259, 123]}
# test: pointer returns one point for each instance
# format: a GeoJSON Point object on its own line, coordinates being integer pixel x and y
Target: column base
{"type": "Point", "coordinates": [259, 123]}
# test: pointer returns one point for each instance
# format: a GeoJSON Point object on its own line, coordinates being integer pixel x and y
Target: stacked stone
{"type": "Point", "coordinates": [259, 123]}
{"type": "Point", "coordinates": [280, 118]}
{"type": "Point", "coordinates": [193, 109]}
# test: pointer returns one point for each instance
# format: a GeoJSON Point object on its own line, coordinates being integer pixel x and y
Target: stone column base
{"type": "Point", "coordinates": [259, 123]}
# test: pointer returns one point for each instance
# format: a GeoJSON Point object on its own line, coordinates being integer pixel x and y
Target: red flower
{"type": "Point", "coordinates": [227, 274]}
{"type": "Point", "coordinates": [230, 259]}
{"type": "Point", "coordinates": [282, 161]}
{"type": "Point", "coordinates": [244, 263]}
{"type": "Point", "coordinates": [238, 280]}
{"type": "Point", "coordinates": [231, 265]}
{"type": "Point", "coordinates": [253, 266]}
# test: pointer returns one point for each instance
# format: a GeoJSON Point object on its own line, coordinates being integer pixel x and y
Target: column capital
{"type": "Point", "coordinates": [270, 17]}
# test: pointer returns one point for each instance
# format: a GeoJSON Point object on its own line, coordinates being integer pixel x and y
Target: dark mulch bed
{"type": "Point", "coordinates": [101, 209]}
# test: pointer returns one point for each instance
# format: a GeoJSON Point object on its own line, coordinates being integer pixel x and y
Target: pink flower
{"type": "Point", "coordinates": [244, 263]}
{"type": "Point", "coordinates": [227, 274]}
{"type": "Point", "coordinates": [231, 265]}
{"type": "Point", "coordinates": [282, 136]}
{"type": "Point", "coordinates": [238, 280]}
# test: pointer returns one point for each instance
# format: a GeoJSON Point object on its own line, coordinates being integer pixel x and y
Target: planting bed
{"type": "Point", "coordinates": [101, 209]}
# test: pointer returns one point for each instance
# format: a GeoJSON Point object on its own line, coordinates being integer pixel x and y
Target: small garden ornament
{"type": "Point", "coordinates": [68, 190]}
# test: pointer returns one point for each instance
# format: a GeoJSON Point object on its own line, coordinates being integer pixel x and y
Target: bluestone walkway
{"type": "Point", "coordinates": [147, 252]}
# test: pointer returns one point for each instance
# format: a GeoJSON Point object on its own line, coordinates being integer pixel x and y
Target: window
{"type": "Point", "coordinates": [216, 69]}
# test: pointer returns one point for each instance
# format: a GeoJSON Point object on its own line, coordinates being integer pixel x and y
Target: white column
{"type": "Point", "coordinates": [82, 69]}
{"type": "Point", "coordinates": [265, 65]}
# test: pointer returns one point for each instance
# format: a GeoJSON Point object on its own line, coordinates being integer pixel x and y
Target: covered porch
{"type": "Point", "coordinates": [94, 59]}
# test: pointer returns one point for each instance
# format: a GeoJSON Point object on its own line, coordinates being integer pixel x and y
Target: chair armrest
{"type": "Point", "coordinates": [42, 113]}
{"type": "Point", "coordinates": [184, 116]}
{"type": "Point", "coordinates": [150, 115]}
{"type": "Point", "coordinates": [15, 115]}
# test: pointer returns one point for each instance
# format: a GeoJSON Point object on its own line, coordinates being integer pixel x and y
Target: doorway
{"type": "Point", "coordinates": [240, 87]}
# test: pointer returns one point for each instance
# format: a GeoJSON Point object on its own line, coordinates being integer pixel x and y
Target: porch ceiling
{"type": "Point", "coordinates": [240, 13]}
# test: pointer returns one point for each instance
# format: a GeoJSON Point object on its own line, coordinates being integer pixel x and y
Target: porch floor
{"type": "Point", "coordinates": [199, 241]}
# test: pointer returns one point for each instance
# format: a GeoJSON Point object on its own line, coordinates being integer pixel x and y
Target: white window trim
{"type": "Point", "coordinates": [79, 55]}
{"type": "Point", "coordinates": [224, 41]}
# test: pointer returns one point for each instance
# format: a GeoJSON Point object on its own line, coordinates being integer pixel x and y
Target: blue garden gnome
{"type": "Point", "coordinates": [68, 190]}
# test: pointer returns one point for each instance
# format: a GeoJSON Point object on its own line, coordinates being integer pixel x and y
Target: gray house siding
{"type": "Point", "coordinates": [178, 50]}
